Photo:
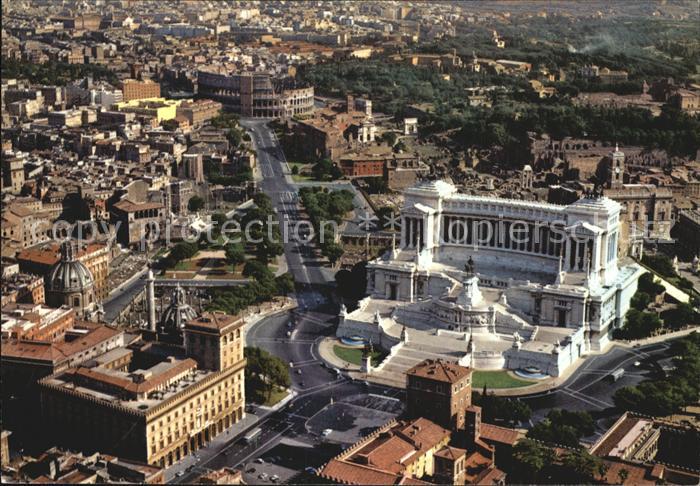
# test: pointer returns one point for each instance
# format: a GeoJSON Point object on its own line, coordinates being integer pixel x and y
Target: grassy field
{"type": "Point", "coordinates": [496, 379]}
{"type": "Point", "coordinates": [190, 265]}
{"type": "Point", "coordinates": [301, 167]}
{"type": "Point", "coordinates": [354, 355]}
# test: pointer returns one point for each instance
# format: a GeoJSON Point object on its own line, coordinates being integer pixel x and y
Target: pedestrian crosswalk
{"type": "Point", "coordinates": [289, 196]}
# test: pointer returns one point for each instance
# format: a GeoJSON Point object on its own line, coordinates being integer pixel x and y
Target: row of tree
{"type": "Point", "coordinates": [264, 373]}
{"type": "Point", "coordinates": [667, 395]}
{"type": "Point", "coordinates": [538, 463]}
{"type": "Point", "coordinates": [508, 126]}
{"type": "Point", "coordinates": [262, 287]}
{"type": "Point", "coordinates": [265, 244]}
{"type": "Point", "coordinates": [324, 207]}
{"type": "Point", "coordinates": [55, 73]}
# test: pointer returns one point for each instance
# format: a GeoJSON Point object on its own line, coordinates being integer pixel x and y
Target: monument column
{"type": "Point", "coordinates": [404, 232]}
{"type": "Point", "coordinates": [567, 254]}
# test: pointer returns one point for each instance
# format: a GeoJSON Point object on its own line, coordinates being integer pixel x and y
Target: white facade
{"type": "Point", "coordinates": [490, 268]}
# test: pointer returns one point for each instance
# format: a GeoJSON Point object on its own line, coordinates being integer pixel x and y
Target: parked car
{"type": "Point", "coordinates": [327, 432]}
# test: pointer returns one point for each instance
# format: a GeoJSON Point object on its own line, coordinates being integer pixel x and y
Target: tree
{"type": "Point", "coordinates": [640, 300]}
{"type": "Point", "coordinates": [685, 284]}
{"type": "Point", "coordinates": [352, 284]}
{"type": "Point", "coordinates": [182, 251]}
{"type": "Point", "coordinates": [499, 410]}
{"type": "Point", "coordinates": [682, 315]}
{"type": "Point", "coordinates": [257, 270]}
{"type": "Point", "coordinates": [563, 427]}
{"type": "Point", "coordinates": [640, 324]}
{"type": "Point", "coordinates": [326, 170]}
{"type": "Point", "coordinates": [295, 170]}
{"type": "Point", "coordinates": [268, 249]}
{"type": "Point", "coordinates": [660, 263]}
{"type": "Point", "coordinates": [195, 204]}
{"type": "Point", "coordinates": [400, 147]}
{"type": "Point", "coordinates": [332, 251]}
{"type": "Point", "coordinates": [582, 467]}
{"type": "Point", "coordinates": [235, 255]}
{"type": "Point", "coordinates": [263, 202]}
{"type": "Point", "coordinates": [530, 458]}
{"type": "Point", "coordinates": [285, 283]}
{"type": "Point", "coordinates": [664, 396]}
{"type": "Point", "coordinates": [623, 474]}
{"type": "Point", "coordinates": [217, 221]}
{"type": "Point", "coordinates": [264, 372]}
{"type": "Point", "coordinates": [389, 138]}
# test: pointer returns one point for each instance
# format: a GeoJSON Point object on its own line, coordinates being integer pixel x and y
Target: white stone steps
{"type": "Point", "coordinates": [405, 360]}
{"type": "Point", "coordinates": [430, 350]}
{"type": "Point", "coordinates": [397, 380]}
{"type": "Point", "coordinates": [418, 355]}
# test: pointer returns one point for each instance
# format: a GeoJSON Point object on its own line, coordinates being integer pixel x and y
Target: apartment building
{"type": "Point", "coordinates": [153, 409]}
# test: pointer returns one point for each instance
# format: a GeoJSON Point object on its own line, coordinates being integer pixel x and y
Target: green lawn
{"type": "Point", "coordinates": [354, 355]}
{"type": "Point", "coordinates": [300, 177]}
{"type": "Point", "coordinates": [496, 379]}
{"type": "Point", "coordinates": [186, 266]}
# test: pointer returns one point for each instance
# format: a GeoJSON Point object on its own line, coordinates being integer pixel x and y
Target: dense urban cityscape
{"type": "Point", "coordinates": [350, 242]}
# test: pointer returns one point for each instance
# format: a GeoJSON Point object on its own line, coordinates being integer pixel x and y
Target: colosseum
{"type": "Point", "coordinates": [257, 94]}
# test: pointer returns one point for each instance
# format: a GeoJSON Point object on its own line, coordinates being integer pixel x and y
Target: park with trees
{"type": "Point", "coordinates": [323, 207]}
{"type": "Point", "coordinates": [266, 376]}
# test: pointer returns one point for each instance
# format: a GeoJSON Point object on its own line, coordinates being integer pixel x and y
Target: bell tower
{"type": "Point", "coordinates": [616, 168]}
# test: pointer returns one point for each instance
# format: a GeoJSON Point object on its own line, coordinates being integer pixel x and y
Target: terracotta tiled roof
{"type": "Point", "coordinates": [424, 433]}
{"type": "Point", "coordinates": [389, 455]}
{"type": "Point", "coordinates": [129, 206]}
{"type": "Point", "coordinates": [43, 480]}
{"type": "Point", "coordinates": [636, 475]}
{"type": "Point", "coordinates": [215, 320]}
{"type": "Point", "coordinates": [385, 457]}
{"type": "Point", "coordinates": [350, 473]}
{"type": "Point", "coordinates": [44, 255]}
{"type": "Point", "coordinates": [474, 465]}
{"type": "Point", "coordinates": [606, 444]}
{"type": "Point", "coordinates": [76, 477]}
{"type": "Point", "coordinates": [492, 475]}
{"type": "Point", "coordinates": [56, 352]}
{"type": "Point", "coordinates": [126, 384]}
{"type": "Point", "coordinates": [411, 480]}
{"type": "Point", "coordinates": [439, 370]}
{"type": "Point", "coordinates": [451, 453]}
{"type": "Point", "coordinates": [50, 253]}
{"type": "Point", "coordinates": [503, 435]}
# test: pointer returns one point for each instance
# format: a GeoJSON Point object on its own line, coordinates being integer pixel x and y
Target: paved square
{"type": "Point", "coordinates": [348, 422]}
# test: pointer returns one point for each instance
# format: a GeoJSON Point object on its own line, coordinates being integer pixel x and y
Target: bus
{"type": "Point", "coordinates": [248, 438]}
{"type": "Point", "coordinates": [617, 374]}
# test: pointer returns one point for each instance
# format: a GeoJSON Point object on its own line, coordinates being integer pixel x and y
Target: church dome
{"type": "Point", "coordinates": [69, 274]}
{"type": "Point", "coordinates": [178, 312]}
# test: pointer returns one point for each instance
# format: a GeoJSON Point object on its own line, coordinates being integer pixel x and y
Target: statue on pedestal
{"type": "Point", "coordinates": [469, 267]}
